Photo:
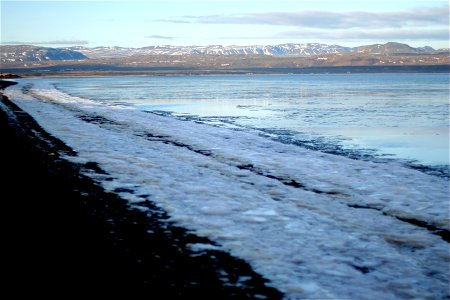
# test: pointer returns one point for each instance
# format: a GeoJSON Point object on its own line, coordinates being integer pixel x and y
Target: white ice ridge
{"type": "Point", "coordinates": [288, 211]}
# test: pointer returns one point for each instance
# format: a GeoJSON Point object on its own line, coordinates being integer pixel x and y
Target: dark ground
{"type": "Point", "coordinates": [63, 235]}
{"type": "Point", "coordinates": [5, 83]}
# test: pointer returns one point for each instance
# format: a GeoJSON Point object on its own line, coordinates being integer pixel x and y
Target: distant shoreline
{"type": "Point", "coordinates": [108, 70]}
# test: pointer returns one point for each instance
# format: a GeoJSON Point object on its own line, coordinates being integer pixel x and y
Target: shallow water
{"type": "Point", "coordinates": [397, 116]}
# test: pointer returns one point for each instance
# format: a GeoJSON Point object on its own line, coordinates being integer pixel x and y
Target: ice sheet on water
{"type": "Point", "coordinates": [292, 213]}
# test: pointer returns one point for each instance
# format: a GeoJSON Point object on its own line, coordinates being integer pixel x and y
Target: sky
{"type": "Point", "coordinates": [233, 22]}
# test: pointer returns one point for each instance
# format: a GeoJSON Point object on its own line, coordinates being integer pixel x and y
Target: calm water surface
{"type": "Point", "coordinates": [367, 116]}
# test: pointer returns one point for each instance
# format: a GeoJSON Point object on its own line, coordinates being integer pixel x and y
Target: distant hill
{"type": "Point", "coordinates": [28, 53]}
{"type": "Point", "coordinates": [287, 58]}
{"type": "Point", "coordinates": [271, 50]}
{"type": "Point", "coordinates": [392, 48]}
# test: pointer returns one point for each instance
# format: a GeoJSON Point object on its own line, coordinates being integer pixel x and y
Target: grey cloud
{"type": "Point", "coordinates": [161, 37]}
{"type": "Point", "coordinates": [326, 19]}
{"type": "Point", "coordinates": [390, 34]}
{"type": "Point", "coordinates": [172, 21]}
{"type": "Point", "coordinates": [394, 34]}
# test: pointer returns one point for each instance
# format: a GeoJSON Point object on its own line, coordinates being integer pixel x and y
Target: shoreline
{"type": "Point", "coordinates": [93, 71]}
{"type": "Point", "coordinates": [51, 120]}
{"type": "Point", "coordinates": [66, 233]}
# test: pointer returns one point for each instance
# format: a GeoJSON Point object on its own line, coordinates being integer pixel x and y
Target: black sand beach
{"type": "Point", "coordinates": [64, 236]}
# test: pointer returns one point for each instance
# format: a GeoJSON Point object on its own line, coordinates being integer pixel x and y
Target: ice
{"type": "Point", "coordinates": [315, 225]}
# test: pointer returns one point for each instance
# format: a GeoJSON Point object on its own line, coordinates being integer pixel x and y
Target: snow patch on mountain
{"type": "Point", "coordinates": [271, 50]}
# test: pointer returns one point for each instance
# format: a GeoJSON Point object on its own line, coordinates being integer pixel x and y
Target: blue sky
{"type": "Point", "coordinates": [244, 22]}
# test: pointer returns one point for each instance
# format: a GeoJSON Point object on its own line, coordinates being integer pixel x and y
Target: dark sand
{"type": "Point", "coordinates": [63, 235]}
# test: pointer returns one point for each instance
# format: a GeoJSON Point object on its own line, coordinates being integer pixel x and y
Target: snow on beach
{"type": "Point", "coordinates": [315, 225]}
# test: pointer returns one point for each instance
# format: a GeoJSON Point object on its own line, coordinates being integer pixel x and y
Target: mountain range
{"type": "Point", "coordinates": [271, 50]}
{"type": "Point", "coordinates": [28, 53]}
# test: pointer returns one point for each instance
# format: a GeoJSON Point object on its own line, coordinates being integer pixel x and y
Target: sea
{"type": "Point", "coordinates": [331, 186]}
{"type": "Point", "coordinates": [378, 117]}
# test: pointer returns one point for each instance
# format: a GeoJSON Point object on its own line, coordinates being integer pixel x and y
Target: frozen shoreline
{"type": "Point", "coordinates": [65, 231]}
{"type": "Point", "coordinates": [251, 195]}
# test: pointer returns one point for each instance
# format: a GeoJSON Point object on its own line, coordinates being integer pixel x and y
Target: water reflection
{"type": "Point", "coordinates": [399, 115]}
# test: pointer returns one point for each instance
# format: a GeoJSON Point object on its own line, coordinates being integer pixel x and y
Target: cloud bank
{"type": "Point", "coordinates": [393, 34]}
{"type": "Point", "coordinates": [160, 37]}
{"type": "Point", "coordinates": [331, 20]}
{"type": "Point", "coordinates": [56, 42]}
{"type": "Point", "coordinates": [412, 24]}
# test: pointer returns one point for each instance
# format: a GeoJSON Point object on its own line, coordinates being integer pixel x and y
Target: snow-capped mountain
{"type": "Point", "coordinates": [272, 50]}
{"type": "Point", "coordinates": [21, 53]}
{"type": "Point", "coordinates": [28, 53]}
{"type": "Point", "coordinates": [392, 48]}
